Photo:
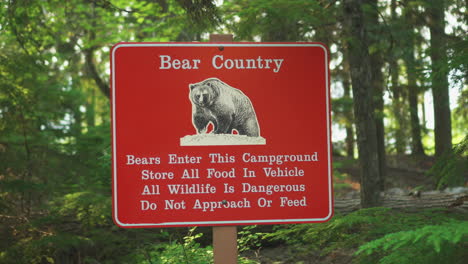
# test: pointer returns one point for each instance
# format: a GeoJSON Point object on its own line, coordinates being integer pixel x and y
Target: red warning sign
{"type": "Point", "coordinates": [220, 134]}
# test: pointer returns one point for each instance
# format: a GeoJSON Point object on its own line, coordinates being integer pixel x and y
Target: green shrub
{"type": "Point", "coordinates": [175, 252]}
{"type": "Point", "coordinates": [451, 168]}
{"type": "Point", "coordinates": [445, 243]}
{"type": "Point", "coordinates": [186, 251]}
{"type": "Point", "coordinates": [349, 232]}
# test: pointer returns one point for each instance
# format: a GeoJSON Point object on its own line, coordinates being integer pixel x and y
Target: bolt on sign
{"type": "Point", "coordinates": [220, 134]}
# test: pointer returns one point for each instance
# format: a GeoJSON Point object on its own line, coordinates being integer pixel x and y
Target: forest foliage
{"type": "Point", "coordinates": [55, 175]}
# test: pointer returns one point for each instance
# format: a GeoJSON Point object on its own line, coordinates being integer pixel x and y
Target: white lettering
{"type": "Point", "coordinates": [221, 174]}
{"type": "Point", "coordinates": [279, 159]}
{"type": "Point", "coordinates": [194, 188]}
{"type": "Point", "coordinates": [262, 202]}
{"type": "Point", "coordinates": [150, 190]}
{"type": "Point", "coordinates": [132, 160]}
{"type": "Point", "coordinates": [218, 62]}
{"type": "Point", "coordinates": [278, 63]}
{"type": "Point", "coordinates": [173, 205]}
{"type": "Point", "coordinates": [174, 159]}
{"type": "Point", "coordinates": [165, 62]}
{"type": "Point", "coordinates": [213, 61]}
{"type": "Point", "coordinates": [146, 205]}
{"type": "Point", "coordinates": [213, 205]}
{"type": "Point", "coordinates": [151, 175]}
{"type": "Point", "coordinates": [285, 201]}
{"type": "Point", "coordinates": [283, 172]}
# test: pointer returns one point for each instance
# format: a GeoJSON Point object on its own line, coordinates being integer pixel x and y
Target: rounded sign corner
{"type": "Point", "coordinates": [117, 221]}
{"type": "Point", "coordinates": [330, 215]}
{"type": "Point", "coordinates": [116, 46]}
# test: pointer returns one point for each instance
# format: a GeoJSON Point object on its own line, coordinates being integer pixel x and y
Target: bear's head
{"type": "Point", "coordinates": [203, 93]}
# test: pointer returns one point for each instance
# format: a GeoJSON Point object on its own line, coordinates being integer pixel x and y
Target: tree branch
{"type": "Point", "coordinates": [92, 71]}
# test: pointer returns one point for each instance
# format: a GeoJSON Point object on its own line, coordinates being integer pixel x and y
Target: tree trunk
{"type": "Point", "coordinates": [361, 77]}
{"type": "Point", "coordinates": [413, 90]}
{"type": "Point", "coordinates": [424, 201]}
{"type": "Point", "coordinates": [416, 140]}
{"type": "Point", "coordinates": [398, 105]}
{"type": "Point", "coordinates": [91, 110]}
{"type": "Point", "coordinates": [376, 61]}
{"type": "Point", "coordinates": [440, 89]}
{"type": "Point", "coordinates": [89, 57]}
{"type": "Point", "coordinates": [349, 114]}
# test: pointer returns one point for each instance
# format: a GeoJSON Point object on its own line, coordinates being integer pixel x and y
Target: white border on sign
{"type": "Point", "coordinates": [261, 221]}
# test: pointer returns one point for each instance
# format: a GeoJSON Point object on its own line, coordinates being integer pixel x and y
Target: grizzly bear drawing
{"type": "Point", "coordinates": [226, 107]}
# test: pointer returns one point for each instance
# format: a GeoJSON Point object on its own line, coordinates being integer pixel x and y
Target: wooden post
{"type": "Point", "coordinates": [224, 237]}
{"type": "Point", "coordinates": [225, 244]}
{"type": "Point", "coordinates": [221, 38]}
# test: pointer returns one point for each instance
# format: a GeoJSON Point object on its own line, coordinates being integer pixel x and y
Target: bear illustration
{"type": "Point", "coordinates": [226, 107]}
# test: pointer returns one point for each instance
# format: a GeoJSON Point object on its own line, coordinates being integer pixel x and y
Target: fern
{"type": "Point", "coordinates": [428, 244]}
{"type": "Point", "coordinates": [450, 168]}
{"type": "Point", "coordinates": [346, 233]}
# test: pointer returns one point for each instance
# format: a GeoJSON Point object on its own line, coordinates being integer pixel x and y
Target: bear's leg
{"type": "Point", "coordinates": [249, 128]}
{"type": "Point", "coordinates": [200, 123]}
{"type": "Point", "coordinates": [223, 125]}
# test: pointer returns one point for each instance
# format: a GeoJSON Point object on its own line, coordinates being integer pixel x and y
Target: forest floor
{"type": "Point", "coordinates": [404, 174]}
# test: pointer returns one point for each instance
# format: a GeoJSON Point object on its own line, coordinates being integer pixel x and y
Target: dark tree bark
{"type": "Point", "coordinates": [91, 110]}
{"type": "Point", "coordinates": [398, 104]}
{"type": "Point", "coordinates": [413, 90]}
{"type": "Point", "coordinates": [89, 57]}
{"type": "Point", "coordinates": [93, 73]}
{"type": "Point", "coordinates": [376, 61]}
{"type": "Point", "coordinates": [440, 89]}
{"type": "Point", "coordinates": [398, 107]}
{"type": "Point", "coordinates": [349, 114]}
{"type": "Point", "coordinates": [361, 77]}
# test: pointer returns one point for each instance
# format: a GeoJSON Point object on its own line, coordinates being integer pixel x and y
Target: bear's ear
{"type": "Point", "coordinates": [191, 86]}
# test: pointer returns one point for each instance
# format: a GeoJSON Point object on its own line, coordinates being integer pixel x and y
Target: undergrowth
{"type": "Point", "coordinates": [377, 233]}
{"type": "Point", "coordinates": [451, 168]}
{"type": "Point", "coordinates": [444, 243]}
{"type": "Point", "coordinates": [181, 251]}
{"type": "Point", "coordinates": [186, 250]}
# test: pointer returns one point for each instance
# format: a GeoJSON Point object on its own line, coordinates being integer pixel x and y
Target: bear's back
{"type": "Point", "coordinates": [242, 105]}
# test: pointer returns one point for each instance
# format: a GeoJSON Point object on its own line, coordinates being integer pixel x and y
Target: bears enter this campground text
{"type": "Point", "coordinates": [156, 182]}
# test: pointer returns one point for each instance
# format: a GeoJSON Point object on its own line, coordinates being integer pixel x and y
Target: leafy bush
{"type": "Point", "coordinates": [445, 243]}
{"type": "Point", "coordinates": [174, 252]}
{"type": "Point", "coordinates": [248, 239]}
{"type": "Point", "coordinates": [348, 232]}
{"type": "Point", "coordinates": [450, 168]}
{"type": "Point", "coordinates": [187, 251]}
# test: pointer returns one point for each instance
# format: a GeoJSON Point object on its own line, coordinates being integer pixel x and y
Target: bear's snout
{"type": "Point", "coordinates": [203, 99]}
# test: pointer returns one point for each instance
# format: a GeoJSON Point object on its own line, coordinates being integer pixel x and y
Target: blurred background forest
{"type": "Point", "coordinates": [399, 75]}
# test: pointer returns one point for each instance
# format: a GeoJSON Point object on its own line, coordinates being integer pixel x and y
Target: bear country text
{"type": "Point", "coordinates": [220, 62]}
